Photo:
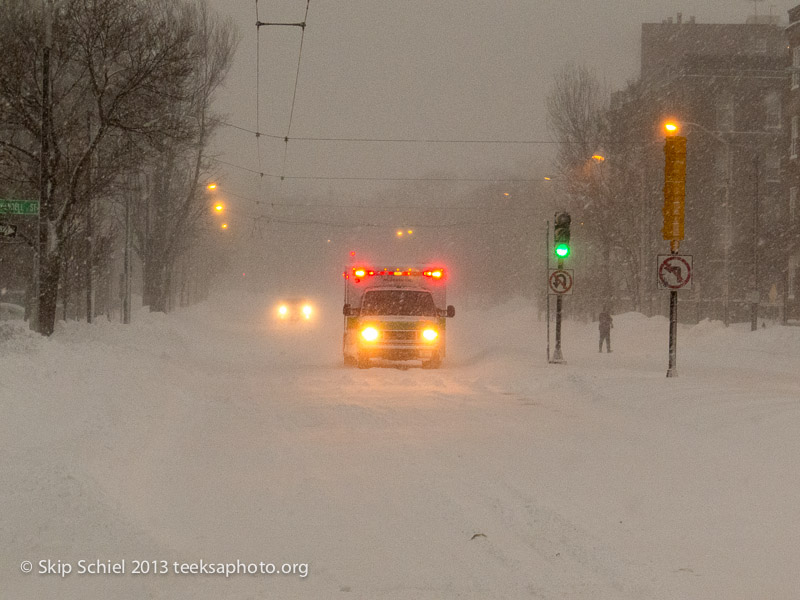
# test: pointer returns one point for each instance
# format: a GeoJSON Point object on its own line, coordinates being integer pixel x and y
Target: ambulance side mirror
{"type": "Point", "coordinates": [349, 311]}
{"type": "Point", "coordinates": [451, 311]}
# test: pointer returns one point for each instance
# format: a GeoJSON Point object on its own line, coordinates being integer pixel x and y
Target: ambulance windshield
{"type": "Point", "coordinates": [398, 302]}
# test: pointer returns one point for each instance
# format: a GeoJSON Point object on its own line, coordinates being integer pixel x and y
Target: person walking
{"type": "Point", "coordinates": [606, 323]}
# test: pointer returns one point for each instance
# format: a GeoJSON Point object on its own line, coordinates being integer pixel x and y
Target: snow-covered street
{"type": "Point", "coordinates": [205, 435]}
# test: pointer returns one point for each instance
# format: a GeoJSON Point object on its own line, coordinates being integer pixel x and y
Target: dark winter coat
{"type": "Point", "coordinates": [606, 322]}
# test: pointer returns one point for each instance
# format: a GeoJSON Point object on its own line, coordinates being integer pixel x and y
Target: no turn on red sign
{"type": "Point", "coordinates": [674, 272]}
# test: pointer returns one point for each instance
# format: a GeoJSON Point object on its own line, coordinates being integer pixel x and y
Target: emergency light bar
{"type": "Point", "coordinates": [362, 272]}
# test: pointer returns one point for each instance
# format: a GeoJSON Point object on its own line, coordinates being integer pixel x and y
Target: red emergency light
{"type": "Point", "coordinates": [362, 272]}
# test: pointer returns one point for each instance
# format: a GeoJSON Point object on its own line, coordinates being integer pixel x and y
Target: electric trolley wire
{"type": "Point", "coordinates": [268, 219]}
{"type": "Point", "coordinates": [360, 178]}
{"type": "Point", "coordinates": [388, 140]}
{"type": "Point", "coordinates": [294, 92]}
{"type": "Point", "coordinates": [258, 93]}
{"type": "Point", "coordinates": [426, 207]}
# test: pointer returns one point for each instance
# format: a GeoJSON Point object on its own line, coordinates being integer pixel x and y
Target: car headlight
{"type": "Point", "coordinates": [283, 310]}
{"type": "Point", "coordinates": [307, 311]}
{"type": "Point", "coordinates": [430, 334]}
{"type": "Point", "coordinates": [370, 334]}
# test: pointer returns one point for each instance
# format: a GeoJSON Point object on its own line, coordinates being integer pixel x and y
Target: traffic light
{"type": "Point", "coordinates": [561, 235]}
{"type": "Point", "coordinates": [674, 187]}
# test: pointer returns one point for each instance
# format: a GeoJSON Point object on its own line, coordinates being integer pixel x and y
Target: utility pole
{"type": "Point", "coordinates": [126, 299]}
{"type": "Point", "coordinates": [44, 165]}
{"type": "Point", "coordinates": [754, 299]}
{"type": "Point", "coordinates": [89, 233]}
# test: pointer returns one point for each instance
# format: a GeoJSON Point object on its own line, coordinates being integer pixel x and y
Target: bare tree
{"type": "Point", "coordinates": [124, 65]}
{"type": "Point", "coordinates": [174, 206]}
{"type": "Point", "coordinates": [577, 109]}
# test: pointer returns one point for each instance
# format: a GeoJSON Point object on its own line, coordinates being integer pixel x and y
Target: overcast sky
{"type": "Point", "coordinates": [474, 69]}
{"type": "Point", "coordinates": [417, 69]}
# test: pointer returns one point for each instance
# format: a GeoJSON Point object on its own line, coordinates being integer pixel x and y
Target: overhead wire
{"type": "Point", "coordinates": [355, 225]}
{"type": "Point", "coordinates": [286, 138]}
{"type": "Point", "coordinates": [294, 92]}
{"type": "Point", "coordinates": [258, 95]}
{"type": "Point", "coordinates": [357, 178]}
{"type": "Point", "coordinates": [386, 140]}
{"type": "Point", "coordinates": [321, 205]}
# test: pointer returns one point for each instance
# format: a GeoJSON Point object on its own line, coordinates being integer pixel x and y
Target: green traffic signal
{"type": "Point", "coordinates": [562, 250]}
{"type": "Point", "coordinates": [561, 235]}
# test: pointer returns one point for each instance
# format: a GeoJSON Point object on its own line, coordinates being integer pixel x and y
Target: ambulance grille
{"type": "Point", "coordinates": [400, 335]}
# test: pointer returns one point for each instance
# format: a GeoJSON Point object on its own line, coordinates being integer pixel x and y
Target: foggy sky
{"type": "Point", "coordinates": [477, 69]}
{"type": "Point", "coordinates": [474, 69]}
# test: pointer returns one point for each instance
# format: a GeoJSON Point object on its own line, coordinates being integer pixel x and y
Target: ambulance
{"type": "Point", "coordinates": [395, 314]}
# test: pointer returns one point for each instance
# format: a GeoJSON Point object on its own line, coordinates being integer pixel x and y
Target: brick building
{"type": "Point", "coordinates": [728, 85]}
{"type": "Point", "coordinates": [792, 170]}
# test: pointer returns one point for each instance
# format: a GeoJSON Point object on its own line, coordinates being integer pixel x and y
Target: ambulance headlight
{"type": "Point", "coordinates": [430, 334]}
{"type": "Point", "coordinates": [370, 334]}
{"type": "Point", "coordinates": [307, 310]}
{"type": "Point", "coordinates": [283, 310]}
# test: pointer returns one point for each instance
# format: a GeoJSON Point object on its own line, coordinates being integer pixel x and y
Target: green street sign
{"type": "Point", "coordinates": [18, 207]}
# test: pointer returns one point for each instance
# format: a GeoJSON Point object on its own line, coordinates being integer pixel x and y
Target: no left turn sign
{"type": "Point", "coordinates": [674, 272]}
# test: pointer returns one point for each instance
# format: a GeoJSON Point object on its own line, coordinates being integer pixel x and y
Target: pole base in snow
{"type": "Point", "coordinates": [672, 372]}
{"type": "Point", "coordinates": [558, 359]}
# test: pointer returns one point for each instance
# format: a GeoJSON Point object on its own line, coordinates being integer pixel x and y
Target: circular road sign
{"type": "Point", "coordinates": [560, 281]}
{"type": "Point", "coordinates": [674, 272]}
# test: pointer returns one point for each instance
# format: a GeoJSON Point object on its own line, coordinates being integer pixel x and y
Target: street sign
{"type": "Point", "coordinates": [674, 271]}
{"type": "Point", "coordinates": [560, 281]}
{"type": "Point", "coordinates": [18, 207]}
{"type": "Point", "coordinates": [7, 230]}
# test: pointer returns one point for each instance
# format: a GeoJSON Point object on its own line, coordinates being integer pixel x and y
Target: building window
{"type": "Point", "coordinates": [792, 276]}
{"type": "Point", "coordinates": [796, 68]}
{"type": "Point", "coordinates": [772, 110]}
{"type": "Point", "coordinates": [772, 165]}
{"type": "Point", "coordinates": [725, 113]}
{"type": "Point", "coordinates": [795, 128]}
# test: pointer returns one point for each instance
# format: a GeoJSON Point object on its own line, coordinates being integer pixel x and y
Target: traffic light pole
{"type": "Point", "coordinates": [561, 247]}
{"type": "Point", "coordinates": [547, 289]}
{"type": "Point", "coordinates": [672, 370]}
{"type": "Point", "coordinates": [673, 211]}
{"type": "Point", "coordinates": [557, 356]}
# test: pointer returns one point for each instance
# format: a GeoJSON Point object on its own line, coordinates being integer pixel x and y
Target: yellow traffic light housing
{"type": "Point", "coordinates": [674, 188]}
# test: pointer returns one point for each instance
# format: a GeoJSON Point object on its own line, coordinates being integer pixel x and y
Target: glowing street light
{"type": "Point", "coordinates": [671, 127]}
{"type": "Point", "coordinates": [224, 226]}
{"type": "Point", "coordinates": [212, 186]}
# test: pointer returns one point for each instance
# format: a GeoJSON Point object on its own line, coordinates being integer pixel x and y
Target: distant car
{"type": "Point", "coordinates": [294, 310]}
